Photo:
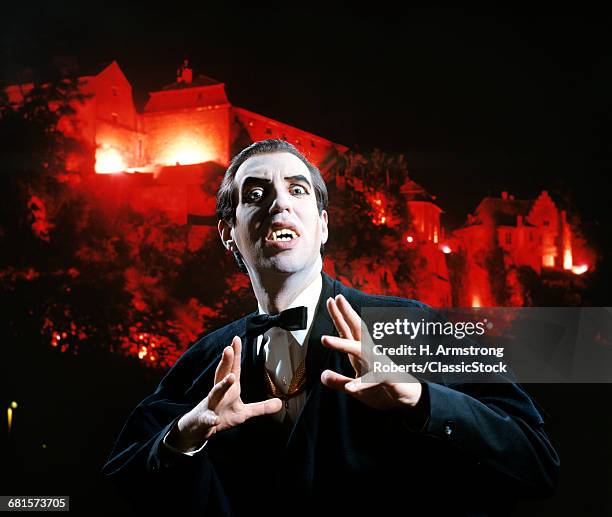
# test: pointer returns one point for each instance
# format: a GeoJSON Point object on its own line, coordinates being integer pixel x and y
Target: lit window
{"type": "Point", "coordinates": [578, 270]}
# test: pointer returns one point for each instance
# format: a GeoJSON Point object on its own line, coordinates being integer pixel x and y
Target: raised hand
{"type": "Point", "coordinates": [378, 395]}
{"type": "Point", "coordinates": [222, 408]}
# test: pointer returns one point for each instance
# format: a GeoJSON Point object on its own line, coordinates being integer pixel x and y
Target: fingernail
{"type": "Point", "coordinates": [351, 386]}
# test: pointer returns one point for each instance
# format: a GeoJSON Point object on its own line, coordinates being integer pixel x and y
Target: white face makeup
{"type": "Point", "coordinates": [278, 226]}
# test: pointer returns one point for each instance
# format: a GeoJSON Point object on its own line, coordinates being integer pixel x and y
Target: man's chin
{"type": "Point", "coordinates": [286, 269]}
{"type": "Point", "coordinates": [283, 266]}
{"type": "Point", "coordinates": [286, 263]}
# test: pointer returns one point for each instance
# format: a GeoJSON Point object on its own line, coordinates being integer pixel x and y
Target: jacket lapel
{"type": "Point", "coordinates": [252, 369]}
{"type": "Point", "coordinates": [317, 355]}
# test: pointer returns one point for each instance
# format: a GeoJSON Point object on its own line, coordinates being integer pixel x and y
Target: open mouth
{"type": "Point", "coordinates": [284, 234]}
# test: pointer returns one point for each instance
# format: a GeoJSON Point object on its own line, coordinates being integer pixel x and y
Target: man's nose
{"type": "Point", "coordinates": [282, 201]}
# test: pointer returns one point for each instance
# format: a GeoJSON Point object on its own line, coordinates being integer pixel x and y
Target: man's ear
{"type": "Point", "coordinates": [225, 232]}
{"type": "Point", "coordinates": [324, 229]}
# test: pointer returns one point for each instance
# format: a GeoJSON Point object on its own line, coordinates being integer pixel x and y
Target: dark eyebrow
{"type": "Point", "coordinates": [249, 180]}
{"type": "Point", "coordinates": [253, 179]}
{"type": "Point", "coordinates": [299, 177]}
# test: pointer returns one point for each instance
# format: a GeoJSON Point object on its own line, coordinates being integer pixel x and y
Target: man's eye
{"type": "Point", "coordinates": [254, 195]}
{"type": "Point", "coordinates": [298, 190]}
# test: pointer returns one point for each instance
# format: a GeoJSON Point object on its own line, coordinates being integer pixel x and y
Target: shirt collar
{"type": "Point", "coordinates": [309, 298]}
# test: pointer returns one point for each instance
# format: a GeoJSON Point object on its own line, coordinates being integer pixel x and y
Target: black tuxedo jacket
{"type": "Point", "coordinates": [479, 448]}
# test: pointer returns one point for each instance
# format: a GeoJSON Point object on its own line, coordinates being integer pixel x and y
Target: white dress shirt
{"type": "Point", "coordinates": [284, 350]}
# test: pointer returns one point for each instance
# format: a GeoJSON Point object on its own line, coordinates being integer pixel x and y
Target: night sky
{"type": "Point", "coordinates": [479, 102]}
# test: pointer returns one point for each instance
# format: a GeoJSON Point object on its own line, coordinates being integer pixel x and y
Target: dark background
{"type": "Point", "coordinates": [478, 101]}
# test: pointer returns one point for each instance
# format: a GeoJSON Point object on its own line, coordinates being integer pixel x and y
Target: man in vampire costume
{"type": "Point", "coordinates": [268, 416]}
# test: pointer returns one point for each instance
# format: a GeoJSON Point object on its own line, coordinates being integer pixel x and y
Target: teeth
{"type": "Point", "coordinates": [283, 235]}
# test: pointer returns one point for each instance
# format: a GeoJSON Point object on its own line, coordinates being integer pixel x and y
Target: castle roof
{"type": "Point", "coordinates": [502, 211]}
{"type": "Point", "coordinates": [202, 91]}
{"type": "Point", "coordinates": [200, 80]}
{"type": "Point", "coordinates": [415, 192]}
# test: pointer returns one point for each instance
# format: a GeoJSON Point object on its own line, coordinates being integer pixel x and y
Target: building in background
{"type": "Point", "coordinates": [524, 232]}
{"type": "Point", "coordinates": [176, 148]}
{"type": "Point", "coordinates": [171, 156]}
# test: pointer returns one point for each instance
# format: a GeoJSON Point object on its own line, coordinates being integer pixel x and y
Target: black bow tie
{"type": "Point", "coordinates": [295, 318]}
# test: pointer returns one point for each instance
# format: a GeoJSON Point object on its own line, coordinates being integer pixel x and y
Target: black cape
{"type": "Point", "coordinates": [479, 448]}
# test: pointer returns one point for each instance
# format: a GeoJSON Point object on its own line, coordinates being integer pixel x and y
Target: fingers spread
{"type": "Point", "coordinates": [334, 380]}
{"type": "Point", "coordinates": [237, 347]}
{"type": "Point", "coordinates": [350, 316]}
{"type": "Point", "coordinates": [348, 346]}
{"type": "Point", "coordinates": [265, 407]}
{"type": "Point", "coordinates": [358, 386]}
{"type": "Point", "coordinates": [219, 390]}
{"type": "Point", "coordinates": [343, 329]}
{"type": "Point", "coordinates": [225, 364]}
